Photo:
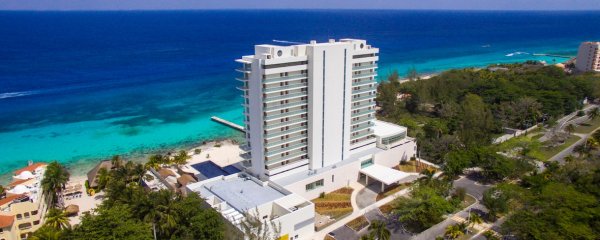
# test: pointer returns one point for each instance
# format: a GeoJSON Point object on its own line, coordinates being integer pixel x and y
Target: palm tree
{"type": "Point", "coordinates": [163, 215]}
{"type": "Point", "coordinates": [2, 191]}
{"type": "Point", "coordinates": [57, 219]}
{"type": "Point", "coordinates": [46, 233]}
{"type": "Point", "coordinates": [103, 178]}
{"type": "Point", "coordinates": [155, 161]}
{"type": "Point", "coordinates": [379, 231]}
{"type": "Point", "coordinates": [570, 128]}
{"type": "Point", "coordinates": [367, 237]}
{"type": "Point", "coordinates": [594, 113]}
{"type": "Point", "coordinates": [55, 178]}
{"type": "Point", "coordinates": [454, 231]}
{"type": "Point", "coordinates": [181, 158]}
{"type": "Point", "coordinates": [592, 143]}
{"type": "Point", "coordinates": [116, 161]}
{"type": "Point", "coordinates": [428, 173]}
{"type": "Point", "coordinates": [474, 219]}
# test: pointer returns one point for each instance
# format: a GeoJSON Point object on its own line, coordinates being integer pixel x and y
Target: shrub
{"type": "Point", "coordinates": [580, 113]}
{"type": "Point", "coordinates": [197, 151]}
{"type": "Point", "coordinates": [460, 193]}
{"type": "Point", "coordinates": [322, 195]}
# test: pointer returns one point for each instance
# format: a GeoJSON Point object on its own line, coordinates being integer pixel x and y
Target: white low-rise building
{"type": "Point", "coordinates": [235, 196]}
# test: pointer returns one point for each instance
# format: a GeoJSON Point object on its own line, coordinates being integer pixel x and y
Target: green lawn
{"type": "Point", "coordinates": [469, 200]}
{"type": "Point", "coordinates": [588, 127]}
{"type": "Point", "coordinates": [548, 152]}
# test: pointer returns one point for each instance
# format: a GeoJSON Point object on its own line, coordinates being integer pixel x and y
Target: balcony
{"type": "Point", "coordinates": [286, 149]}
{"type": "Point", "coordinates": [283, 88]}
{"type": "Point", "coordinates": [287, 140]}
{"type": "Point", "coordinates": [283, 97]}
{"type": "Point", "coordinates": [363, 98]}
{"type": "Point", "coordinates": [362, 120]}
{"type": "Point", "coordinates": [269, 126]}
{"type": "Point", "coordinates": [364, 90]}
{"type": "Point", "coordinates": [288, 105]}
{"type": "Point", "coordinates": [362, 113]}
{"type": "Point", "coordinates": [285, 78]}
{"type": "Point", "coordinates": [285, 114]}
{"type": "Point", "coordinates": [366, 133]}
{"type": "Point", "coordinates": [244, 70]}
{"type": "Point", "coordinates": [363, 82]}
{"type": "Point", "coordinates": [288, 157]}
{"type": "Point", "coordinates": [285, 132]}
{"type": "Point", "coordinates": [364, 67]}
{"type": "Point", "coordinates": [371, 74]}
{"type": "Point", "coordinates": [363, 127]}
{"type": "Point", "coordinates": [363, 105]}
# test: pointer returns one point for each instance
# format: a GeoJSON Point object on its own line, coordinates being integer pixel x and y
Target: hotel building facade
{"type": "Point", "coordinates": [308, 106]}
{"type": "Point", "coordinates": [588, 57]}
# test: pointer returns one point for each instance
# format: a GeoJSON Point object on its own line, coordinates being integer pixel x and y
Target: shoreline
{"type": "Point", "coordinates": [80, 167]}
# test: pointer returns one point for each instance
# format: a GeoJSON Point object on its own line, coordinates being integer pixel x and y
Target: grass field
{"type": "Point", "coordinates": [548, 152]}
{"type": "Point", "coordinates": [467, 202]}
{"type": "Point", "coordinates": [588, 127]}
{"type": "Point", "coordinates": [335, 204]}
{"type": "Point", "coordinates": [413, 166]}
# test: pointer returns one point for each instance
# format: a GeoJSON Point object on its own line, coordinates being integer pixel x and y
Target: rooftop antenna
{"type": "Point", "coordinates": [284, 41]}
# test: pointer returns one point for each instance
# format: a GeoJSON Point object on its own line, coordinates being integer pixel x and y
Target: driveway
{"type": "Point", "coordinates": [367, 195]}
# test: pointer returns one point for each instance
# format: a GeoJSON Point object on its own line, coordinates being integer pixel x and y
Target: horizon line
{"type": "Point", "coordinates": [298, 9]}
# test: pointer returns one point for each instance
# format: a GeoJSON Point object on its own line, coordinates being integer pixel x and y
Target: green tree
{"type": "Point", "coordinates": [454, 232]}
{"type": "Point", "coordinates": [55, 178]}
{"type": "Point", "coordinates": [116, 161]}
{"type": "Point", "coordinates": [456, 161]}
{"type": "Point", "coordinates": [378, 230]}
{"type": "Point", "coordinates": [57, 219]}
{"type": "Point", "coordinates": [103, 178]}
{"type": "Point", "coordinates": [477, 122]}
{"type": "Point", "coordinates": [115, 222]}
{"type": "Point", "coordinates": [181, 158]}
{"type": "Point", "coordinates": [412, 74]}
{"type": "Point", "coordinates": [425, 208]}
{"type": "Point", "coordinates": [496, 202]}
{"type": "Point", "coordinates": [474, 219]}
{"type": "Point", "coordinates": [47, 233]}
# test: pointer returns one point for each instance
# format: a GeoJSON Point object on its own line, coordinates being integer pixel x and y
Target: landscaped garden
{"type": "Point", "coordinates": [335, 205]}
{"type": "Point", "coordinates": [358, 223]}
{"type": "Point", "coordinates": [391, 190]}
{"type": "Point", "coordinates": [413, 166]}
{"type": "Point", "coordinates": [587, 127]}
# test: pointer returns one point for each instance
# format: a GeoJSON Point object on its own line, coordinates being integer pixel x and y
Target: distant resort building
{"type": "Point", "coordinates": [22, 206]}
{"type": "Point", "coordinates": [309, 114]}
{"type": "Point", "coordinates": [588, 57]}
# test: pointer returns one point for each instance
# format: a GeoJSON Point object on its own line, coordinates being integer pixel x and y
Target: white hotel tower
{"type": "Point", "coordinates": [308, 106]}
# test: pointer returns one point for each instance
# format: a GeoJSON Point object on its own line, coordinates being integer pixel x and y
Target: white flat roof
{"type": "Point", "coordinates": [388, 175]}
{"type": "Point", "coordinates": [241, 193]}
{"type": "Point", "coordinates": [385, 129]}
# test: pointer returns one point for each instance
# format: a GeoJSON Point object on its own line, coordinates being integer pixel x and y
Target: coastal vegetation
{"type": "Point", "coordinates": [131, 212]}
{"type": "Point", "coordinates": [454, 118]}
{"type": "Point", "coordinates": [54, 181]}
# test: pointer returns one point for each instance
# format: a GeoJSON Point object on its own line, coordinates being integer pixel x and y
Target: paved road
{"type": "Point", "coordinates": [564, 121]}
{"type": "Point", "coordinates": [473, 188]}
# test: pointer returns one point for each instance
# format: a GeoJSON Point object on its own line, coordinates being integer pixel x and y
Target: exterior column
{"type": "Point", "coordinates": [382, 186]}
{"type": "Point", "coordinates": [366, 179]}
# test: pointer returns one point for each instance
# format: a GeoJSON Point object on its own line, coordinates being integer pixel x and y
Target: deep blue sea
{"type": "Point", "coordinates": [80, 86]}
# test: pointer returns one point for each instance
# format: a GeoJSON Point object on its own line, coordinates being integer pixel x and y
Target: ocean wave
{"type": "Point", "coordinates": [16, 94]}
{"type": "Point", "coordinates": [516, 53]}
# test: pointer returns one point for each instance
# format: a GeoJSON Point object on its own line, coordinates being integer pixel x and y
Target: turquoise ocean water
{"type": "Point", "coordinates": [81, 86]}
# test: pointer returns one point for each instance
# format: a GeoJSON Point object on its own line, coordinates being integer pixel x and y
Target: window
{"type": "Point", "coordinates": [366, 163]}
{"type": "Point", "coordinates": [19, 216]}
{"type": "Point", "coordinates": [314, 185]}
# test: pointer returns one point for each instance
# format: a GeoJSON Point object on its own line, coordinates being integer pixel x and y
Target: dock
{"type": "Point", "coordinates": [228, 123]}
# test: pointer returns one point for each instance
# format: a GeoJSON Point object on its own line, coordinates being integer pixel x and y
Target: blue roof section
{"type": "Point", "coordinates": [210, 170]}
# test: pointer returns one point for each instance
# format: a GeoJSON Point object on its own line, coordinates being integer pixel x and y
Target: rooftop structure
{"type": "Point", "coordinates": [238, 196]}
{"type": "Point", "coordinates": [588, 57]}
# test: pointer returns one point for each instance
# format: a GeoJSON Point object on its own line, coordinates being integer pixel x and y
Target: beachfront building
{"type": "Point", "coordinates": [588, 57]}
{"type": "Point", "coordinates": [311, 107]}
{"type": "Point", "coordinates": [22, 207]}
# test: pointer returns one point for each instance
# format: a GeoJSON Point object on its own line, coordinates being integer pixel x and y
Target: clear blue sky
{"type": "Point", "coordinates": [295, 4]}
